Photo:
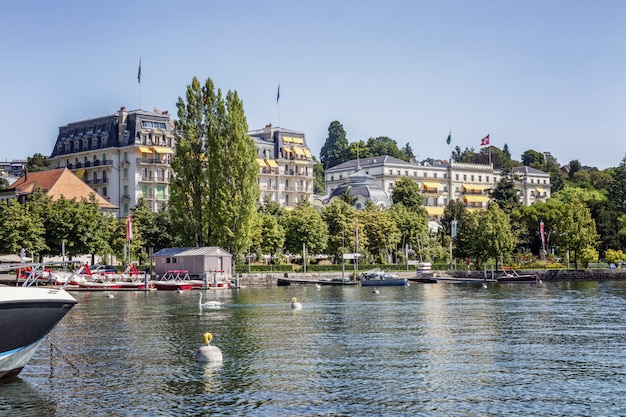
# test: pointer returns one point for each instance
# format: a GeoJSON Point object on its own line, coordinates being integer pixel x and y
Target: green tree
{"type": "Point", "coordinates": [37, 162]}
{"type": "Point", "coordinates": [214, 190]}
{"type": "Point", "coordinates": [575, 230]}
{"type": "Point", "coordinates": [4, 183]}
{"type": "Point", "coordinates": [408, 193]}
{"type": "Point", "coordinates": [412, 225]}
{"type": "Point", "coordinates": [617, 189]}
{"type": "Point", "coordinates": [340, 218]}
{"type": "Point", "coordinates": [505, 195]}
{"type": "Point", "coordinates": [318, 183]}
{"type": "Point", "coordinates": [20, 228]}
{"type": "Point", "coordinates": [380, 230]}
{"type": "Point", "coordinates": [383, 145]}
{"type": "Point", "coordinates": [334, 150]}
{"type": "Point", "coordinates": [271, 235]}
{"type": "Point", "coordinates": [534, 159]}
{"type": "Point", "coordinates": [304, 225]}
{"type": "Point", "coordinates": [496, 234]}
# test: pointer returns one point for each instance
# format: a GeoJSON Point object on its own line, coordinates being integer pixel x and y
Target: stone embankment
{"type": "Point", "coordinates": [270, 279]}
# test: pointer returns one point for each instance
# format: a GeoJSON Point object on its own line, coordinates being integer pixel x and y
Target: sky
{"type": "Point", "coordinates": [543, 75]}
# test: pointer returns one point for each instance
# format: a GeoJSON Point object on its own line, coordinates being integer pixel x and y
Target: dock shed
{"type": "Point", "coordinates": [197, 261]}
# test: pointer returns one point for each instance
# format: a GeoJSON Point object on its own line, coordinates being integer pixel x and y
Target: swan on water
{"type": "Point", "coordinates": [318, 287]}
{"type": "Point", "coordinates": [208, 303]}
{"type": "Point", "coordinates": [375, 291]}
{"type": "Point", "coordinates": [208, 353]}
{"type": "Point", "coordinates": [295, 304]}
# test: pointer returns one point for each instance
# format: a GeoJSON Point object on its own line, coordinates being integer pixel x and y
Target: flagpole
{"type": "Point", "coordinates": [139, 81]}
{"type": "Point", "coordinates": [278, 102]}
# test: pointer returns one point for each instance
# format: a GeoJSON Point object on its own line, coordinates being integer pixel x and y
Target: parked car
{"type": "Point", "coordinates": [103, 269]}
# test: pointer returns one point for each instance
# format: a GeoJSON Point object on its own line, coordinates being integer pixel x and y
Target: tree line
{"type": "Point", "coordinates": [214, 202]}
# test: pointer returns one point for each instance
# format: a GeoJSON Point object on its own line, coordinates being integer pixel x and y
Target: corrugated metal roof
{"type": "Point", "coordinates": [205, 250]}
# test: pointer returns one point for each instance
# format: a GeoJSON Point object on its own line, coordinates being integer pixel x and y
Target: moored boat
{"type": "Point", "coordinates": [509, 275]}
{"type": "Point", "coordinates": [27, 315]}
{"type": "Point", "coordinates": [377, 278]}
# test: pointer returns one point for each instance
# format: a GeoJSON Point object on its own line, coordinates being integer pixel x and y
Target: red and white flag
{"type": "Point", "coordinates": [129, 229]}
{"type": "Point", "coordinates": [484, 141]}
{"type": "Point", "coordinates": [543, 235]}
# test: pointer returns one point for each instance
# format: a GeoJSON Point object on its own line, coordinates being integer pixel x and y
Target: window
{"type": "Point", "coordinates": [125, 173]}
{"type": "Point", "coordinates": [332, 178]}
{"type": "Point", "coordinates": [167, 260]}
{"type": "Point", "coordinates": [457, 177]}
{"type": "Point", "coordinates": [464, 177]}
{"type": "Point", "coordinates": [472, 178]}
{"type": "Point", "coordinates": [104, 191]}
{"type": "Point", "coordinates": [487, 178]}
{"type": "Point", "coordinates": [125, 190]}
{"type": "Point", "coordinates": [406, 173]}
{"type": "Point", "coordinates": [391, 172]}
{"type": "Point", "coordinates": [435, 175]}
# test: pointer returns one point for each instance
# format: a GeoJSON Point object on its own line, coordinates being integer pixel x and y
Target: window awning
{"type": "Point", "coordinates": [272, 163]}
{"type": "Point", "coordinates": [163, 149]}
{"type": "Point", "coordinates": [80, 173]}
{"type": "Point", "coordinates": [540, 190]}
{"type": "Point", "coordinates": [299, 141]}
{"type": "Point", "coordinates": [298, 151]}
{"type": "Point", "coordinates": [287, 148]}
{"type": "Point", "coordinates": [434, 211]}
{"type": "Point", "coordinates": [287, 139]}
{"type": "Point", "coordinates": [261, 162]}
{"type": "Point", "coordinates": [307, 153]}
{"type": "Point", "coordinates": [431, 185]}
{"type": "Point", "coordinates": [476, 198]}
{"type": "Point", "coordinates": [474, 188]}
{"type": "Point", "coordinates": [144, 149]}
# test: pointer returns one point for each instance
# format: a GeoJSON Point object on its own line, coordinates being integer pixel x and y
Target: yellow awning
{"type": "Point", "coordinates": [272, 163]}
{"type": "Point", "coordinates": [474, 188]}
{"type": "Point", "coordinates": [144, 149]}
{"type": "Point", "coordinates": [80, 173]}
{"type": "Point", "coordinates": [299, 141]}
{"type": "Point", "coordinates": [163, 149]}
{"type": "Point", "coordinates": [298, 151]}
{"type": "Point", "coordinates": [539, 190]}
{"type": "Point", "coordinates": [475, 198]}
{"type": "Point", "coordinates": [261, 162]}
{"type": "Point", "coordinates": [431, 185]}
{"type": "Point", "coordinates": [434, 211]}
{"type": "Point", "coordinates": [307, 153]}
{"type": "Point", "coordinates": [287, 148]}
{"type": "Point", "coordinates": [287, 139]}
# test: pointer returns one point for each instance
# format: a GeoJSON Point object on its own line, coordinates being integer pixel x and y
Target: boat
{"type": "Point", "coordinates": [509, 275]}
{"type": "Point", "coordinates": [27, 315]}
{"type": "Point", "coordinates": [378, 278]}
{"type": "Point", "coordinates": [424, 274]}
{"type": "Point", "coordinates": [173, 280]}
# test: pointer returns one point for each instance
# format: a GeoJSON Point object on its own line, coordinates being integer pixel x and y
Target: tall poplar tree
{"type": "Point", "coordinates": [214, 190]}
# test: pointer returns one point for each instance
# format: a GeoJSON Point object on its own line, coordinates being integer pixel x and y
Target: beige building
{"type": "Point", "coordinates": [123, 156]}
{"type": "Point", "coordinates": [285, 165]}
{"type": "Point", "coordinates": [442, 181]}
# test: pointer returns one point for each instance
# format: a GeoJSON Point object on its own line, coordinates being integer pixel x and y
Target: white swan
{"type": "Point", "coordinates": [208, 303]}
{"type": "Point", "coordinates": [318, 287]}
{"type": "Point", "coordinates": [295, 304]}
{"type": "Point", "coordinates": [375, 291]}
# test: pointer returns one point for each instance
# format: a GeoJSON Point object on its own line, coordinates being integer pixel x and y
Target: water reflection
{"type": "Point", "coordinates": [425, 350]}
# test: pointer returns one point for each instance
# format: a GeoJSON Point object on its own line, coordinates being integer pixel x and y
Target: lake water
{"type": "Point", "coordinates": [426, 350]}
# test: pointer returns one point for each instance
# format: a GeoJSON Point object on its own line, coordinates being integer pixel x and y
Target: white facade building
{"type": "Point", "coordinates": [442, 181]}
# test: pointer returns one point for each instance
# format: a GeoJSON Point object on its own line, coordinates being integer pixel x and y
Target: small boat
{"type": "Point", "coordinates": [509, 275]}
{"type": "Point", "coordinates": [173, 280]}
{"type": "Point", "coordinates": [378, 278]}
{"type": "Point", "coordinates": [28, 315]}
{"type": "Point", "coordinates": [424, 274]}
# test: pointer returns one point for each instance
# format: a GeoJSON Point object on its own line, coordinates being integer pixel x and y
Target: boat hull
{"type": "Point", "coordinates": [520, 279]}
{"type": "Point", "coordinates": [385, 282]}
{"type": "Point", "coordinates": [27, 315]}
{"type": "Point", "coordinates": [173, 286]}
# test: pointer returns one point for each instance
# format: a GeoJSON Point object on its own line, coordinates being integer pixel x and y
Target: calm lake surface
{"type": "Point", "coordinates": [426, 350]}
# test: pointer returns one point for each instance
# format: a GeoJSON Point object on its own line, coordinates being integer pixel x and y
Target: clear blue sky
{"type": "Point", "coordinates": [547, 75]}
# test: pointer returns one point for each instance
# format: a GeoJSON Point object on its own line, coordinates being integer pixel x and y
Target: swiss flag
{"type": "Point", "coordinates": [484, 141]}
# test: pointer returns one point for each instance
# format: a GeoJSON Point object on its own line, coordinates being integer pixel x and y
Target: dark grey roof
{"type": "Point", "coordinates": [108, 126]}
{"type": "Point", "coordinates": [384, 159]}
{"type": "Point", "coordinates": [528, 170]}
{"type": "Point", "coordinates": [360, 184]}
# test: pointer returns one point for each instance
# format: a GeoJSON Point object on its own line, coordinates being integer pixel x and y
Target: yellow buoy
{"type": "Point", "coordinates": [295, 304]}
{"type": "Point", "coordinates": [208, 353]}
